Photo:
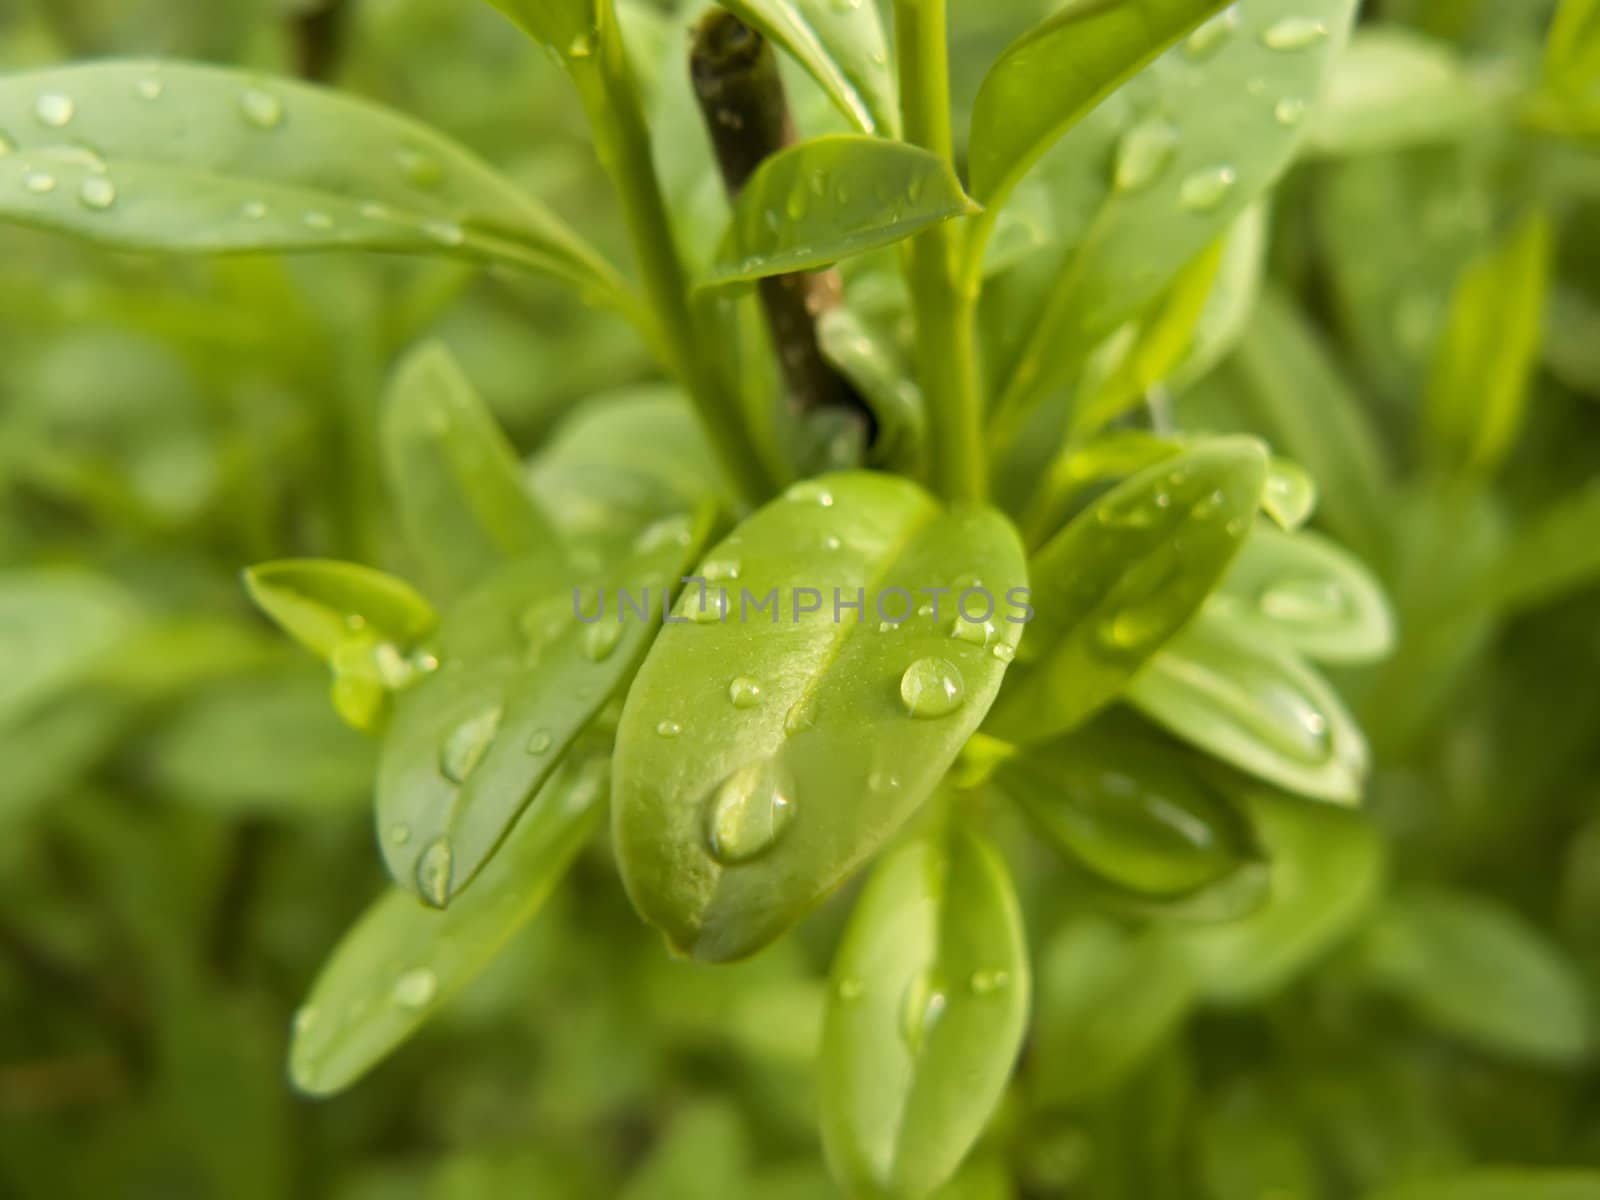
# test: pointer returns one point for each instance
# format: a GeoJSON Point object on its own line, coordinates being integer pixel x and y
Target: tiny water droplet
{"type": "Point", "coordinates": [1138, 516]}
{"type": "Point", "coordinates": [986, 983]}
{"type": "Point", "coordinates": [831, 542]}
{"type": "Point", "coordinates": [434, 869]}
{"type": "Point", "coordinates": [802, 715]}
{"type": "Point", "coordinates": [808, 491]}
{"type": "Point", "coordinates": [1304, 601]}
{"type": "Point", "coordinates": [420, 168]}
{"type": "Point", "coordinates": [925, 610]}
{"type": "Point", "coordinates": [974, 633]}
{"type": "Point", "coordinates": [151, 88]}
{"type": "Point", "coordinates": [883, 781]}
{"type": "Point", "coordinates": [920, 1010]}
{"type": "Point", "coordinates": [40, 183]}
{"type": "Point", "coordinates": [97, 193]}
{"type": "Point", "coordinates": [704, 606]}
{"type": "Point", "coordinates": [1205, 190]}
{"type": "Point", "coordinates": [887, 626]}
{"type": "Point", "coordinates": [719, 570]}
{"type": "Point", "coordinates": [581, 46]}
{"type": "Point", "coordinates": [1004, 652]}
{"type": "Point", "coordinates": [55, 109]}
{"type": "Point", "coordinates": [744, 692]}
{"type": "Point", "coordinates": [376, 212]}
{"type": "Point", "coordinates": [1289, 111]}
{"type": "Point", "coordinates": [415, 988]}
{"type": "Point", "coordinates": [750, 810]}
{"type": "Point", "coordinates": [539, 742]}
{"type": "Point", "coordinates": [261, 108]}
{"type": "Point", "coordinates": [305, 1018]}
{"type": "Point", "coordinates": [255, 210]}
{"type": "Point", "coordinates": [446, 233]}
{"type": "Point", "coordinates": [466, 744]}
{"type": "Point", "coordinates": [1209, 506]}
{"type": "Point", "coordinates": [399, 835]}
{"type": "Point", "coordinates": [932, 687]}
{"type": "Point", "coordinates": [1294, 33]}
{"type": "Point", "coordinates": [850, 989]}
{"type": "Point", "coordinates": [1210, 37]}
{"type": "Point", "coordinates": [1143, 153]}
{"type": "Point", "coordinates": [320, 221]}
{"type": "Point", "coordinates": [669, 729]}
{"type": "Point", "coordinates": [5, 145]}
{"type": "Point", "coordinates": [600, 639]}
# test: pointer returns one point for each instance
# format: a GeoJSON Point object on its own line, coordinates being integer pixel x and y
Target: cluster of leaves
{"type": "Point", "coordinates": [1252, 341]}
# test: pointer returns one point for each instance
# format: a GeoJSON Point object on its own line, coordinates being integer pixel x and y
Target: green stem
{"type": "Point", "coordinates": [606, 87]}
{"type": "Point", "coordinates": [943, 298]}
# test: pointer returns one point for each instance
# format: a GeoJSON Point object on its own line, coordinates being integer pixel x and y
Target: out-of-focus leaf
{"type": "Point", "coordinates": [1251, 1147]}
{"type": "Point", "coordinates": [454, 477]}
{"type": "Point", "coordinates": [1555, 553]}
{"type": "Point", "coordinates": [831, 198]}
{"type": "Point", "coordinates": [704, 1152]}
{"type": "Point", "coordinates": [56, 623]}
{"type": "Point", "coordinates": [928, 1006]}
{"type": "Point", "coordinates": [1498, 1183]}
{"type": "Point", "coordinates": [1123, 578]}
{"type": "Point", "coordinates": [1483, 368]}
{"type": "Point", "coordinates": [402, 960]}
{"type": "Point", "coordinates": [884, 380]}
{"type": "Point", "coordinates": [1232, 300]}
{"type": "Point", "coordinates": [1479, 972]}
{"type": "Point", "coordinates": [771, 742]}
{"type": "Point", "coordinates": [1306, 592]}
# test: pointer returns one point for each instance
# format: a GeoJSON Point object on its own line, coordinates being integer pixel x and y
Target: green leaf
{"type": "Point", "coordinates": [402, 961]}
{"type": "Point", "coordinates": [1163, 169]}
{"type": "Point", "coordinates": [841, 45]}
{"type": "Point", "coordinates": [204, 159]}
{"type": "Point", "coordinates": [1123, 578]}
{"type": "Point", "coordinates": [568, 27]}
{"type": "Point", "coordinates": [518, 680]}
{"type": "Point", "coordinates": [1553, 554]}
{"type": "Point", "coordinates": [704, 1152]}
{"type": "Point", "coordinates": [1327, 866]}
{"type": "Point", "coordinates": [763, 757]}
{"type": "Point", "coordinates": [1055, 74]}
{"type": "Point", "coordinates": [830, 198]}
{"type": "Point", "coordinates": [873, 364]}
{"type": "Point", "coordinates": [1233, 297]}
{"type": "Point", "coordinates": [1480, 972]}
{"type": "Point", "coordinates": [1498, 1183]}
{"type": "Point", "coordinates": [927, 1010]}
{"type": "Point", "coordinates": [455, 478]}
{"type": "Point", "coordinates": [1483, 368]}
{"type": "Point", "coordinates": [56, 624]}
{"type": "Point", "coordinates": [1251, 1145]}
{"type": "Point", "coordinates": [1131, 808]}
{"type": "Point", "coordinates": [1256, 706]}
{"type": "Point", "coordinates": [1393, 88]}
{"type": "Point", "coordinates": [1304, 591]}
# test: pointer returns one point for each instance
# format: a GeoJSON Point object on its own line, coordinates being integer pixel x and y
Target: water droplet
{"type": "Point", "coordinates": [434, 869]}
{"type": "Point", "coordinates": [446, 233]}
{"type": "Point", "coordinates": [399, 835]}
{"type": "Point", "coordinates": [421, 169]}
{"type": "Point", "coordinates": [920, 1010]}
{"type": "Point", "coordinates": [932, 687]}
{"type": "Point", "coordinates": [97, 193]}
{"type": "Point", "coordinates": [1290, 111]}
{"type": "Point", "coordinates": [40, 183]}
{"type": "Point", "coordinates": [887, 626]}
{"type": "Point", "coordinates": [1213, 35]}
{"type": "Point", "coordinates": [320, 221]}
{"type": "Point", "coordinates": [1205, 190]}
{"type": "Point", "coordinates": [704, 606]}
{"type": "Point", "coordinates": [467, 743]}
{"type": "Point", "coordinates": [376, 212]}
{"type": "Point", "coordinates": [744, 692]}
{"type": "Point", "coordinates": [1209, 506]}
{"type": "Point", "coordinates": [416, 988]}
{"type": "Point", "coordinates": [810, 492]}
{"type": "Point", "coordinates": [850, 989]}
{"type": "Point", "coordinates": [883, 781]}
{"type": "Point", "coordinates": [1137, 516]}
{"type": "Point", "coordinates": [986, 983]}
{"type": "Point", "coordinates": [5, 145]}
{"type": "Point", "coordinates": [925, 610]}
{"type": "Point", "coordinates": [719, 570]}
{"type": "Point", "coordinates": [669, 729]}
{"type": "Point", "coordinates": [255, 210]}
{"type": "Point", "coordinates": [262, 109]}
{"type": "Point", "coordinates": [151, 88]}
{"type": "Point", "coordinates": [539, 742]}
{"type": "Point", "coordinates": [600, 639]}
{"type": "Point", "coordinates": [305, 1017]}
{"type": "Point", "coordinates": [1143, 153]}
{"type": "Point", "coordinates": [1290, 494]}
{"type": "Point", "coordinates": [581, 46]}
{"type": "Point", "coordinates": [1004, 652]}
{"type": "Point", "coordinates": [750, 811]}
{"type": "Point", "coordinates": [1294, 33]}
{"type": "Point", "coordinates": [1304, 601]}
{"type": "Point", "coordinates": [974, 633]}
{"type": "Point", "coordinates": [54, 109]}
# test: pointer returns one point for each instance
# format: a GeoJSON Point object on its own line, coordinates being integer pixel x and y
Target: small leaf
{"type": "Point", "coordinates": [1304, 591]}
{"type": "Point", "coordinates": [1123, 578]}
{"type": "Point", "coordinates": [927, 1010]}
{"type": "Point", "coordinates": [401, 961]}
{"type": "Point", "coordinates": [1498, 1183]}
{"type": "Point", "coordinates": [320, 602]}
{"type": "Point", "coordinates": [841, 44]}
{"type": "Point", "coordinates": [518, 681]}
{"type": "Point", "coordinates": [55, 625]}
{"type": "Point", "coordinates": [1052, 76]}
{"type": "Point", "coordinates": [1255, 706]}
{"type": "Point", "coordinates": [830, 198]}
{"type": "Point", "coordinates": [763, 756]}
{"type": "Point", "coordinates": [454, 477]}
{"type": "Point", "coordinates": [1478, 971]}
{"type": "Point", "coordinates": [1483, 369]}
{"type": "Point", "coordinates": [168, 156]}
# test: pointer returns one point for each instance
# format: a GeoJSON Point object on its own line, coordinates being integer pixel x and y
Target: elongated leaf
{"type": "Point", "coordinates": [1498, 1183]}
{"type": "Point", "coordinates": [1123, 578]}
{"type": "Point", "coordinates": [1555, 553]}
{"type": "Point", "coordinates": [1255, 706]}
{"type": "Point", "coordinates": [1191, 143]}
{"type": "Point", "coordinates": [831, 198]}
{"type": "Point", "coordinates": [519, 679]}
{"type": "Point", "coordinates": [1305, 592]}
{"type": "Point", "coordinates": [455, 478]}
{"type": "Point", "coordinates": [928, 1006]}
{"type": "Point", "coordinates": [1326, 871]}
{"type": "Point", "coordinates": [1131, 808]}
{"type": "Point", "coordinates": [1481, 973]}
{"type": "Point", "coordinates": [402, 961]}
{"type": "Point", "coordinates": [841, 45]}
{"type": "Point", "coordinates": [55, 624]}
{"type": "Point", "coordinates": [169, 156]}
{"type": "Point", "coordinates": [1055, 74]}
{"type": "Point", "coordinates": [1483, 369]}
{"type": "Point", "coordinates": [568, 27]}
{"type": "Point", "coordinates": [763, 757]}
{"type": "Point", "coordinates": [1233, 297]}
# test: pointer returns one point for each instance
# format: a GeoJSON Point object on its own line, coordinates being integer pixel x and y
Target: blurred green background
{"type": "Point", "coordinates": [185, 826]}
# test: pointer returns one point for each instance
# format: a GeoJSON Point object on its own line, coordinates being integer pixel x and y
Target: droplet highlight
{"type": "Point", "coordinates": [932, 688]}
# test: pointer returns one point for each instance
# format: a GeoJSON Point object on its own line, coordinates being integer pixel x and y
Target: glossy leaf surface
{"type": "Point", "coordinates": [928, 1004]}
{"type": "Point", "coordinates": [402, 961]}
{"type": "Point", "coordinates": [763, 756]}
{"type": "Point", "coordinates": [1124, 577]}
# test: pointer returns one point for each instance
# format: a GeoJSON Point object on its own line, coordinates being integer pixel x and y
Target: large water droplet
{"type": "Point", "coordinates": [467, 743]}
{"type": "Point", "coordinates": [1143, 153]}
{"type": "Point", "coordinates": [600, 639]}
{"type": "Point", "coordinates": [932, 687]}
{"type": "Point", "coordinates": [416, 988]}
{"type": "Point", "coordinates": [54, 109]}
{"type": "Point", "coordinates": [434, 869]}
{"type": "Point", "coordinates": [261, 108]}
{"type": "Point", "coordinates": [1294, 33]}
{"type": "Point", "coordinates": [1205, 190]}
{"type": "Point", "coordinates": [920, 1010]}
{"type": "Point", "coordinates": [1213, 35]}
{"type": "Point", "coordinates": [744, 692]}
{"type": "Point", "coordinates": [1290, 494]}
{"type": "Point", "coordinates": [750, 811]}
